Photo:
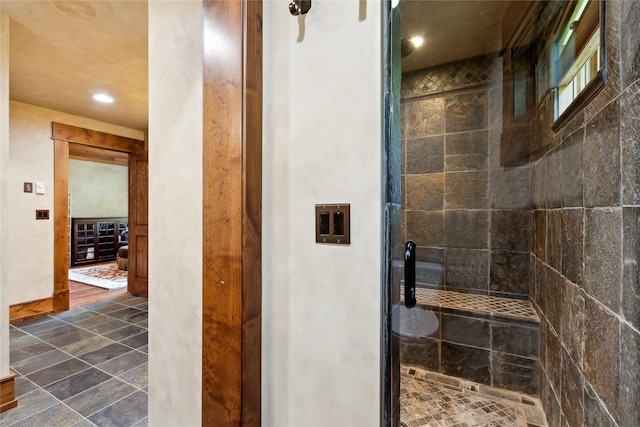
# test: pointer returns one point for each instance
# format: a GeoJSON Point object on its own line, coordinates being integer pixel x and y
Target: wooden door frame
{"type": "Point", "coordinates": [232, 215]}
{"type": "Point", "coordinates": [62, 136]}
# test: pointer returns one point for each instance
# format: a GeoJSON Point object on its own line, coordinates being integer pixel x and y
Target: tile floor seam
{"type": "Point", "coordinates": [58, 380]}
{"type": "Point", "coordinates": [113, 403]}
{"type": "Point", "coordinates": [81, 416]}
{"type": "Point", "coordinates": [118, 376]}
{"type": "Point", "coordinates": [36, 413]}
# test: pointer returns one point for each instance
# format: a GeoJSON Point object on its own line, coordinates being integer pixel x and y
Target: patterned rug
{"type": "Point", "coordinates": [106, 276]}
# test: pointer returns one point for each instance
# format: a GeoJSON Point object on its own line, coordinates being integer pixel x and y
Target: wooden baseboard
{"type": "Point", "coordinates": [7, 392]}
{"type": "Point", "coordinates": [31, 309]}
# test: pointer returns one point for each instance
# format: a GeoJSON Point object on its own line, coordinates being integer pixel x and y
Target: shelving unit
{"type": "Point", "coordinates": [96, 239]}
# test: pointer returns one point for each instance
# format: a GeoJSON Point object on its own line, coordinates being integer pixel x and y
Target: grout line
{"type": "Point", "coordinates": [119, 400]}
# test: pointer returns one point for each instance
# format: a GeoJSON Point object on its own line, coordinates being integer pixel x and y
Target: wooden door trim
{"type": "Point", "coordinates": [232, 214]}
{"type": "Point", "coordinates": [95, 138]}
{"type": "Point", "coordinates": [63, 136]}
{"type": "Point", "coordinates": [138, 232]}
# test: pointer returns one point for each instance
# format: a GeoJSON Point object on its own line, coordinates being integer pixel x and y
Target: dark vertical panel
{"type": "Point", "coordinates": [138, 223]}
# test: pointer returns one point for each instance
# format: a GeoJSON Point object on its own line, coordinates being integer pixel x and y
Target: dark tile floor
{"type": "Point", "coordinates": [83, 367]}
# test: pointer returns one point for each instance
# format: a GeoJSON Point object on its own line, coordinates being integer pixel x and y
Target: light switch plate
{"type": "Point", "coordinates": [39, 187]}
{"type": "Point", "coordinates": [333, 224]}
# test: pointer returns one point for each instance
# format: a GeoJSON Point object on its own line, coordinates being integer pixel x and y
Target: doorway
{"type": "Point", "coordinates": [96, 143]}
{"type": "Point", "coordinates": [98, 210]}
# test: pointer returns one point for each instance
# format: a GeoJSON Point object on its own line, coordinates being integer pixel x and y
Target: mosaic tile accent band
{"type": "Point", "coordinates": [455, 75]}
{"type": "Point", "coordinates": [482, 304]}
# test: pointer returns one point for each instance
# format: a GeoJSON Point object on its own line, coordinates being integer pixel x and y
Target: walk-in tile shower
{"type": "Point", "coordinates": [512, 146]}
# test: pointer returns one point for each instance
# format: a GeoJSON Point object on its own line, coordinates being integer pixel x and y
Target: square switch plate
{"type": "Point", "coordinates": [333, 224]}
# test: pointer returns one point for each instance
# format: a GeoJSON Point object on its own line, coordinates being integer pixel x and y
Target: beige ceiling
{"type": "Point", "coordinates": [457, 29]}
{"type": "Point", "coordinates": [63, 52]}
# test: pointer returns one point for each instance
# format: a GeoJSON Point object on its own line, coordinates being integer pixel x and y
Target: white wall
{"type": "Point", "coordinates": [31, 160]}
{"type": "Point", "coordinates": [175, 213]}
{"type": "Point", "coordinates": [98, 189]}
{"type": "Point", "coordinates": [322, 144]}
{"type": "Point", "coordinates": [4, 207]}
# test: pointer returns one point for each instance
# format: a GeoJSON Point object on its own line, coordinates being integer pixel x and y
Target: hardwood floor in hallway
{"type": "Point", "coordinates": [81, 294]}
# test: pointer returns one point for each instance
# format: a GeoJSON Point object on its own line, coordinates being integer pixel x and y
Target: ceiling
{"type": "Point", "coordinates": [63, 52]}
{"type": "Point", "coordinates": [457, 29]}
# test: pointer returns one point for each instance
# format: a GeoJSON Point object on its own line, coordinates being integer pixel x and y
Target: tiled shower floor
{"type": "Point", "coordinates": [434, 400]}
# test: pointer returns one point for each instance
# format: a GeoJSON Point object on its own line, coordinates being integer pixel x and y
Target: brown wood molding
{"type": "Point", "coordinates": [95, 154]}
{"type": "Point", "coordinates": [61, 222]}
{"type": "Point", "coordinates": [31, 309]}
{"type": "Point", "coordinates": [61, 299]}
{"type": "Point", "coordinates": [137, 281]}
{"type": "Point", "coordinates": [7, 392]}
{"type": "Point", "coordinates": [232, 199]}
{"type": "Point", "coordinates": [95, 138]}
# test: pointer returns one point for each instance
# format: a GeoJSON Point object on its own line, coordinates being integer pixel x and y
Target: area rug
{"type": "Point", "coordinates": [106, 276]}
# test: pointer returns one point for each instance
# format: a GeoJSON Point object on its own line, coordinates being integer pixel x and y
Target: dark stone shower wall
{"type": "Point", "coordinates": [586, 244]}
{"type": "Point", "coordinates": [467, 198]}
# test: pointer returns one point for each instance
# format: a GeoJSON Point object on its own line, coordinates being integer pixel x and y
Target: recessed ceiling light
{"type": "Point", "coordinates": [417, 41]}
{"type": "Point", "coordinates": [103, 97]}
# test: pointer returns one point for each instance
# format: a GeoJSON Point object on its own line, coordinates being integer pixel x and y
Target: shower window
{"type": "Point", "coordinates": [579, 53]}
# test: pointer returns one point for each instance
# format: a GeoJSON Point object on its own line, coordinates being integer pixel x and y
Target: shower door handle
{"type": "Point", "coordinates": [410, 274]}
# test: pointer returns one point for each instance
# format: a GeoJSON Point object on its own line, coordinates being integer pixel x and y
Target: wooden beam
{"type": "Point", "coordinates": [232, 201]}
{"type": "Point", "coordinates": [95, 138]}
{"type": "Point", "coordinates": [99, 155]}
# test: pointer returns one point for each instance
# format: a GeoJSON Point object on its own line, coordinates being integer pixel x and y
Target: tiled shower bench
{"type": "Point", "coordinates": [484, 339]}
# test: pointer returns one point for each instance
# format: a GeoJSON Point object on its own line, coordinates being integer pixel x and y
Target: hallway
{"type": "Point", "coordinates": [82, 367]}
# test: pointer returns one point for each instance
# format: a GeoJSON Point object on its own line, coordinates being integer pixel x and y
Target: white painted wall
{"type": "Point", "coordinates": [4, 185]}
{"type": "Point", "coordinates": [31, 160]}
{"type": "Point", "coordinates": [175, 213]}
{"type": "Point", "coordinates": [322, 144]}
{"type": "Point", "coordinates": [98, 189]}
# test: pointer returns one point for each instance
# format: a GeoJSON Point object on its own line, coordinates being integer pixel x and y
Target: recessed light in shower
{"type": "Point", "coordinates": [408, 46]}
{"type": "Point", "coordinates": [103, 97]}
{"type": "Point", "coordinates": [417, 41]}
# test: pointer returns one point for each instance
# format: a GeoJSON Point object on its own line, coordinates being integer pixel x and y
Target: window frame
{"type": "Point", "coordinates": [593, 87]}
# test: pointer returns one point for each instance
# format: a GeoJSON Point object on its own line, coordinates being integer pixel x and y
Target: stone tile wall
{"type": "Point", "coordinates": [586, 244]}
{"type": "Point", "coordinates": [483, 349]}
{"type": "Point", "coordinates": [464, 208]}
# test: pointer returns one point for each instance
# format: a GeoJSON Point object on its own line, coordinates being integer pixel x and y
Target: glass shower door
{"type": "Point", "coordinates": [471, 107]}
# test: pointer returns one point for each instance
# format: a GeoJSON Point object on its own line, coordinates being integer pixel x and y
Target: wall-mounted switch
{"type": "Point", "coordinates": [42, 213]}
{"type": "Point", "coordinates": [325, 225]}
{"type": "Point", "coordinates": [39, 187]}
{"type": "Point", "coordinates": [332, 224]}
